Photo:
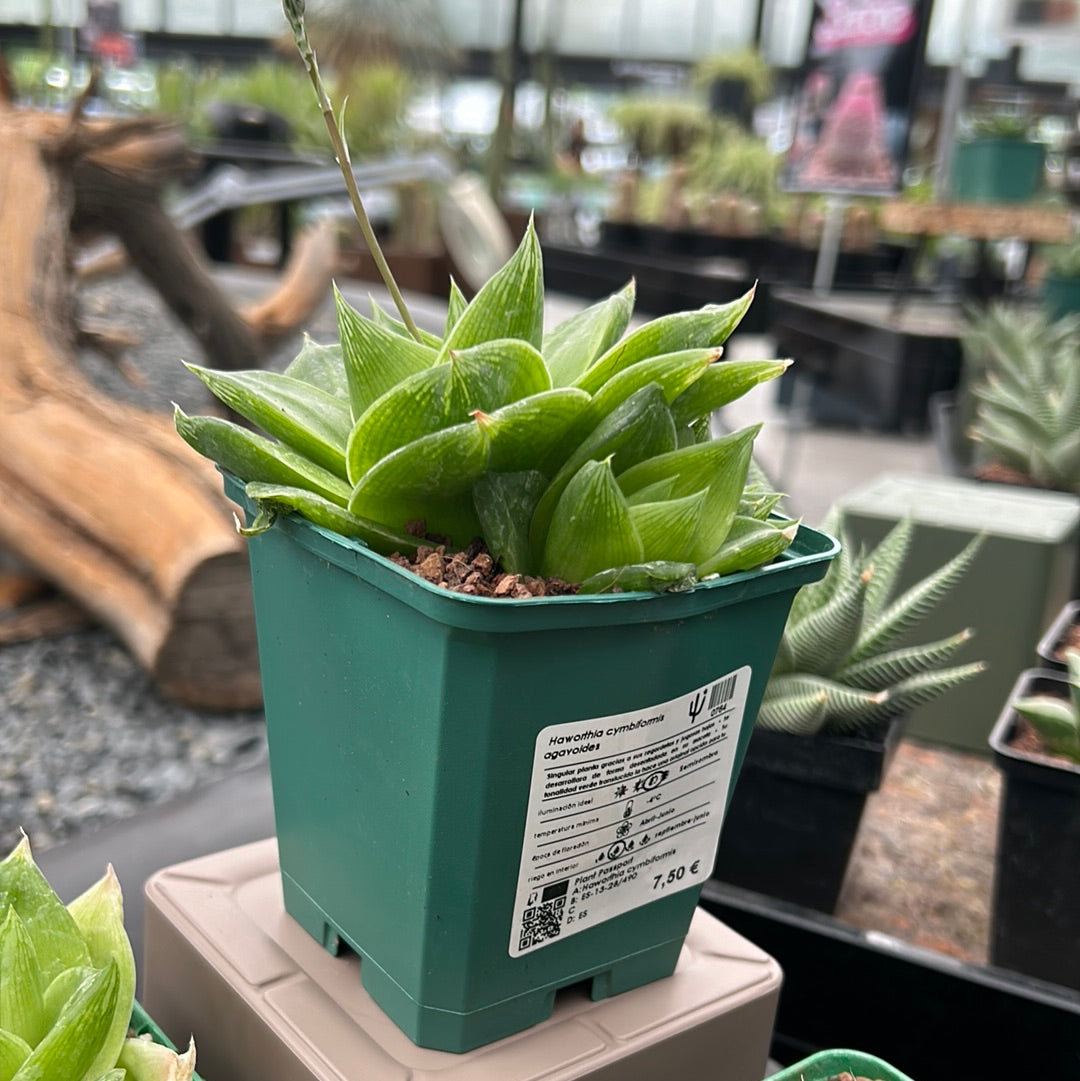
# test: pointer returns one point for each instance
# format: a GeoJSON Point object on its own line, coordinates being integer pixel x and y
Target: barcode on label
{"type": "Point", "coordinates": [544, 920]}
{"type": "Point", "coordinates": [722, 692]}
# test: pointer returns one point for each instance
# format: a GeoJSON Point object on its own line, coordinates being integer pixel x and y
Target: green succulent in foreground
{"type": "Point", "coordinates": [839, 668]}
{"type": "Point", "coordinates": [1057, 720]}
{"type": "Point", "coordinates": [67, 985]}
{"type": "Point", "coordinates": [582, 450]}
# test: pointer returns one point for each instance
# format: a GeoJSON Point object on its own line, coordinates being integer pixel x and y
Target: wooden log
{"type": "Point", "coordinates": [102, 498]}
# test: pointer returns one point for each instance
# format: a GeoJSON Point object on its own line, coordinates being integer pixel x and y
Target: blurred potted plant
{"type": "Point", "coordinates": [394, 685]}
{"type": "Point", "coordinates": [1035, 917]}
{"type": "Point", "coordinates": [831, 717]}
{"type": "Point", "coordinates": [997, 160]}
{"type": "Point", "coordinates": [736, 80]}
{"type": "Point", "coordinates": [67, 985]}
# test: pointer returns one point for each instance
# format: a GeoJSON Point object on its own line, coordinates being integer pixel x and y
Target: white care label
{"type": "Point", "coordinates": [624, 809]}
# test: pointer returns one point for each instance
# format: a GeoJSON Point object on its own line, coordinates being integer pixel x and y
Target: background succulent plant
{"type": "Point", "coordinates": [1024, 388]}
{"type": "Point", "coordinates": [67, 985]}
{"type": "Point", "coordinates": [574, 452]}
{"type": "Point", "coordinates": [840, 667]}
{"type": "Point", "coordinates": [1057, 719]}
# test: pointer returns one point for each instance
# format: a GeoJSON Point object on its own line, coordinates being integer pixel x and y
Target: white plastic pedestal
{"type": "Point", "coordinates": [225, 963]}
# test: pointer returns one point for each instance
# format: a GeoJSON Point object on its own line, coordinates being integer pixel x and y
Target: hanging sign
{"type": "Point", "coordinates": [855, 96]}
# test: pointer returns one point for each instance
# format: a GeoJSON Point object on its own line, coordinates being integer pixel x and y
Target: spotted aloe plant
{"type": "Point", "coordinates": [67, 985]}
{"type": "Point", "coordinates": [841, 667]}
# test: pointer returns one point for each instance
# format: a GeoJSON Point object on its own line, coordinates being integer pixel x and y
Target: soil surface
{"type": "Point", "coordinates": [923, 864]}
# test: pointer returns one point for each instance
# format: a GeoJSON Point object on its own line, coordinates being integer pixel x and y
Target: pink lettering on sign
{"type": "Point", "coordinates": [850, 23]}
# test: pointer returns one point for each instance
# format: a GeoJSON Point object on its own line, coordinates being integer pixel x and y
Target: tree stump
{"type": "Point", "coordinates": [102, 498]}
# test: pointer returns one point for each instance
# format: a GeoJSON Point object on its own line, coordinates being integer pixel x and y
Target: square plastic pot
{"type": "Point", "coordinates": [826, 1065]}
{"type": "Point", "coordinates": [1035, 917]}
{"type": "Point", "coordinates": [489, 800]}
{"type": "Point", "coordinates": [795, 813]}
{"type": "Point", "coordinates": [1053, 639]}
{"type": "Point", "coordinates": [997, 170]}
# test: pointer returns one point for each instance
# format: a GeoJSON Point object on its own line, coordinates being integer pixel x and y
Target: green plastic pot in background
{"type": "Point", "coordinates": [489, 800]}
{"type": "Point", "coordinates": [1060, 295]}
{"type": "Point", "coordinates": [997, 170]}
{"type": "Point", "coordinates": [825, 1065]}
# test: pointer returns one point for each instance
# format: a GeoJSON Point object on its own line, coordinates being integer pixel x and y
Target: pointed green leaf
{"type": "Point", "coordinates": [571, 347]}
{"type": "Point", "coordinates": [443, 464]}
{"type": "Point", "coordinates": [723, 384]}
{"type": "Point", "coordinates": [526, 431]}
{"type": "Point", "coordinates": [751, 543]}
{"type": "Point", "coordinates": [638, 429]}
{"type": "Point", "coordinates": [799, 714]}
{"type": "Point", "coordinates": [590, 528]}
{"type": "Point", "coordinates": [820, 640]}
{"type": "Point", "coordinates": [706, 328]}
{"type": "Point", "coordinates": [70, 1048]}
{"type": "Point", "coordinates": [653, 493]}
{"type": "Point", "coordinates": [925, 687]}
{"type": "Point", "coordinates": [667, 529]}
{"type": "Point", "coordinates": [455, 307]}
{"type": "Point", "coordinates": [322, 512]}
{"type": "Point", "coordinates": [384, 319]}
{"type": "Point", "coordinates": [62, 987]}
{"type": "Point", "coordinates": [312, 422]}
{"type": "Point", "coordinates": [887, 560]}
{"type": "Point", "coordinates": [759, 505]}
{"type": "Point", "coordinates": [887, 669]}
{"type": "Point", "coordinates": [485, 377]}
{"type": "Point", "coordinates": [22, 1009]}
{"type": "Point", "coordinates": [720, 466]}
{"type": "Point", "coordinates": [505, 503]}
{"type": "Point", "coordinates": [99, 915]}
{"type": "Point", "coordinates": [906, 611]}
{"type": "Point", "coordinates": [57, 942]}
{"type": "Point", "coordinates": [320, 366]}
{"type": "Point", "coordinates": [375, 358]}
{"type": "Point", "coordinates": [510, 304]}
{"type": "Point", "coordinates": [845, 707]}
{"type": "Point", "coordinates": [652, 577]}
{"type": "Point", "coordinates": [251, 457]}
{"type": "Point", "coordinates": [14, 1051]}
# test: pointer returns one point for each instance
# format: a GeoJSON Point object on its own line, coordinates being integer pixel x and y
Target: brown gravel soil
{"type": "Point", "coordinates": [923, 866]}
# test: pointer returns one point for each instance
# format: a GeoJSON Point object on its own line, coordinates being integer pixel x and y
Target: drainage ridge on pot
{"type": "Point", "coordinates": [490, 799]}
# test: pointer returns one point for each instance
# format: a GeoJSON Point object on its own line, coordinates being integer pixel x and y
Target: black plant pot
{"type": "Point", "coordinates": [795, 812]}
{"type": "Point", "coordinates": [1049, 647]}
{"type": "Point", "coordinates": [1035, 918]}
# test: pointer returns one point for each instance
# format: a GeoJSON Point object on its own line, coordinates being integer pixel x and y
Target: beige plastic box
{"type": "Point", "coordinates": [224, 962]}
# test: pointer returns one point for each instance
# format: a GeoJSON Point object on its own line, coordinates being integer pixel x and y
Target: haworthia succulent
{"type": "Point", "coordinates": [706, 328]}
{"type": "Point", "coordinates": [253, 457]}
{"type": "Point", "coordinates": [384, 319]}
{"type": "Point", "coordinates": [375, 358]}
{"type": "Point", "coordinates": [505, 503]}
{"type": "Point", "coordinates": [455, 306]}
{"type": "Point", "coordinates": [723, 384]}
{"type": "Point", "coordinates": [484, 377]}
{"type": "Point", "coordinates": [591, 528]}
{"type": "Point", "coordinates": [144, 1060]}
{"type": "Point", "coordinates": [668, 528]}
{"type": "Point", "coordinates": [654, 577]}
{"type": "Point", "coordinates": [22, 1008]}
{"type": "Point", "coordinates": [320, 366]}
{"type": "Point", "coordinates": [529, 430]}
{"type": "Point", "coordinates": [572, 346]}
{"type": "Point", "coordinates": [311, 421]}
{"type": "Point", "coordinates": [510, 304]}
{"type": "Point", "coordinates": [279, 498]}
{"type": "Point", "coordinates": [750, 543]}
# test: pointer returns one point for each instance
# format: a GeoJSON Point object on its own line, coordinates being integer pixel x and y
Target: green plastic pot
{"type": "Point", "coordinates": [1060, 296]}
{"type": "Point", "coordinates": [825, 1065]}
{"type": "Point", "coordinates": [487, 799]}
{"type": "Point", "coordinates": [997, 170]}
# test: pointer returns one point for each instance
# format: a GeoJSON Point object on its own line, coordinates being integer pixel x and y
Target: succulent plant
{"type": "Point", "coordinates": [840, 667]}
{"type": "Point", "coordinates": [1056, 719]}
{"type": "Point", "coordinates": [67, 985]}
{"type": "Point", "coordinates": [583, 453]}
{"type": "Point", "coordinates": [1024, 382]}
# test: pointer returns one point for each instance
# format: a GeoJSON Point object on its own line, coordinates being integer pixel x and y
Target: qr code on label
{"type": "Point", "coordinates": [543, 921]}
